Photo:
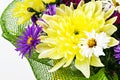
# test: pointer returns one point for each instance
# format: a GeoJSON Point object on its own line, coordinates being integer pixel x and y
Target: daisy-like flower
{"type": "Point", "coordinates": [94, 44]}
{"type": "Point", "coordinates": [68, 27]}
{"type": "Point", "coordinates": [22, 12]}
{"type": "Point", "coordinates": [29, 40]}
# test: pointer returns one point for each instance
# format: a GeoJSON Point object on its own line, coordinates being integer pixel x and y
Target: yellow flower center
{"type": "Point", "coordinates": [29, 40]}
{"type": "Point", "coordinates": [92, 43]}
{"type": "Point", "coordinates": [115, 3]}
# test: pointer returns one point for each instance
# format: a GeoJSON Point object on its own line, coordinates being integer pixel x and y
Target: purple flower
{"type": "Point", "coordinates": [67, 2]}
{"type": "Point", "coordinates": [29, 40]}
{"type": "Point", "coordinates": [34, 19]}
{"type": "Point", "coordinates": [51, 9]}
{"type": "Point", "coordinates": [116, 13]}
{"type": "Point", "coordinates": [117, 52]}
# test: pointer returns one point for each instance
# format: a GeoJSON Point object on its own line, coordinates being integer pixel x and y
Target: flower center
{"type": "Point", "coordinates": [92, 43]}
{"type": "Point", "coordinates": [76, 32]}
{"type": "Point", "coordinates": [116, 4]}
{"type": "Point", "coordinates": [29, 40]}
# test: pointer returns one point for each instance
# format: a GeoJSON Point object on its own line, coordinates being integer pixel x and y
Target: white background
{"type": "Point", "coordinates": [12, 67]}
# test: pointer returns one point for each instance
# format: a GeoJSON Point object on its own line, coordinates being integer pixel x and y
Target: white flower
{"type": "Point", "coordinates": [94, 44]}
{"type": "Point", "coordinates": [106, 4]}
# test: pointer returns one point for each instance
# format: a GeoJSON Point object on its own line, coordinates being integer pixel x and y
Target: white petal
{"type": "Point", "coordinates": [98, 51]}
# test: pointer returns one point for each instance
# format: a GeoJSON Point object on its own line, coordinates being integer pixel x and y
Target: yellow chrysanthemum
{"type": "Point", "coordinates": [49, 1]}
{"type": "Point", "coordinates": [21, 12]}
{"type": "Point", "coordinates": [68, 27]}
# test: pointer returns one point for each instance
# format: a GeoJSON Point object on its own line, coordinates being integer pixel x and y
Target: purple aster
{"type": "Point", "coordinates": [51, 9]}
{"type": "Point", "coordinates": [29, 40]}
{"type": "Point", "coordinates": [117, 52]}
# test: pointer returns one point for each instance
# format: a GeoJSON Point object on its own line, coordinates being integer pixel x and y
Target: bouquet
{"type": "Point", "coordinates": [66, 39]}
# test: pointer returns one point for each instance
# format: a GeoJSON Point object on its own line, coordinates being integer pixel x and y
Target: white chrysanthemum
{"type": "Point", "coordinates": [94, 44]}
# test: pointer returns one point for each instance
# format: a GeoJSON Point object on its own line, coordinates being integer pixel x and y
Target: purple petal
{"type": "Point", "coordinates": [51, 10]}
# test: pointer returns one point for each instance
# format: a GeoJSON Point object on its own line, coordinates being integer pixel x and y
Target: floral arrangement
{"type": "Point", "coordinates": [66, 39]}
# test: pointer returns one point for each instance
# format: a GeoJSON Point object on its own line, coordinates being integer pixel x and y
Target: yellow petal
{"type": "Point", "coordinates": [60, 11]}
{"type": "Point", "coordinates": [95, 61]}
{"type": "Point", "coordinates": [48, 1]}
{"type": "Point", "coordinates": [89, 9]}
{"type": "Point", "coordinates": [54, 55]}
{"type": "Point", "coordinates": [109, 29]}
{"type": "Point", "coordinates": [42, 47]}
{"type": "Point", "coordinates": [113, 42]}
{"type": "Point", "coordinates": [42, 23]}
{"type": "Point", "coordinates": [109, 12]}
{"type": "Point", "coordinates": [58, 65]}
{"type": "Point", "coordinates": [45, 53]}
{"type": "Point", "coordinates": [111, 20]}
{"type": "Point", "coordinates": [69, 60]}
{"type": "Point", "coordinates": [118, 8]}
{"type": "Point", "coordinates": [98, 8]}
{"type": "Point", "coordinates": [83, 66]}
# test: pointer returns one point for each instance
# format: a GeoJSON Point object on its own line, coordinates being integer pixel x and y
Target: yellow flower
{"type": "Point", "coordinates": [49, 1]}
{"type": "Point", "coordinates": [21, 12]}
{"type": "Point", "coordinates": [68, 27]}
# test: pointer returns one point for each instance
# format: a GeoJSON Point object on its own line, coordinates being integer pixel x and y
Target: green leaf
{"type": "Point", "coordinates": [115, 76]}
{"type": "Point", "coordinates": [40, 67]}
{"type": "Point", "coordinates": [100, 75]}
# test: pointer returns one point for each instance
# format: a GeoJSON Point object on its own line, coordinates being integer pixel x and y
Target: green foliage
{"type": "Point", "coordinates": [40, 67]}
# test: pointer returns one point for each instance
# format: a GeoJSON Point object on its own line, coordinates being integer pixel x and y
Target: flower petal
{"type": "Point", "coordinates": [44, 54]}
{"type": "Point", "coordinates": [69, 60]}
{"type": "Point", "coordinates": [95, 61]}
{"type": "Point", "coordinates": [83, 66]}
{"type": "Point", "coordinates": [113, 42]}
{"type": "Point", "coordinates": [42, 47]}
{"type": "Point", "coordinates": [109, 29]}
{"type": "Point", "coordinates": [109, 12]}
{"type": "Point", "coordinates": [111, 21]}
{"type": "Point", "coordinates": [58, 65]}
